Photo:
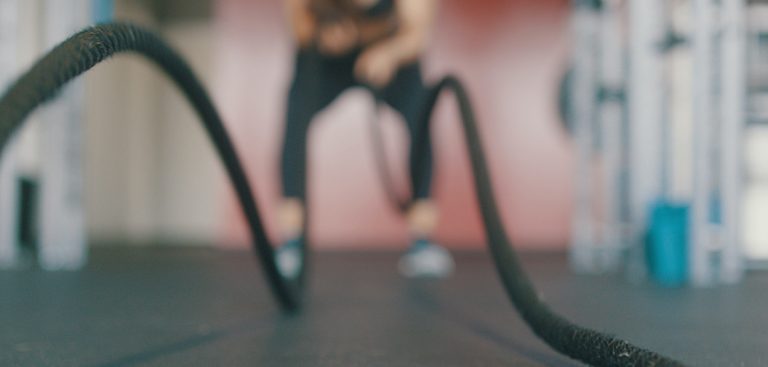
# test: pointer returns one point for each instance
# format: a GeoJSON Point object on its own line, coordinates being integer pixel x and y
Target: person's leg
{"type": "Point", "coordinates": [407, 94]}
{"type": "Point", "coordinates": [317, 81]}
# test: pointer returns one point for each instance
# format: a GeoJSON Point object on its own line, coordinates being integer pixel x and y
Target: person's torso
{"type": "Point", "coordinates": [372, 23]}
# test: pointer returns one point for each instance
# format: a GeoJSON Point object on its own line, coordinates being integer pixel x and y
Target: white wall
{"type": "Point", "coordinates": [148, 177]}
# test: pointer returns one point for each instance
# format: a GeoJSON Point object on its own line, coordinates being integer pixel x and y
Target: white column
{"type": "Point", "coordinates": [680, 109]}
{"type": "Point", "coordinates": [9, 13]}
{"type": "Point", "coordinates": [733, 82]}
{"type": "Point", "coordinates": [646, 32]}
{"type": "Point", "coordinates": [582, 100]}
{"type": "Point", "coordinates": [755, 199]}
{"type": "Point", "coordinates": [62, 222]}
{"type": "Point", "coordinates": [700, 235]}
{"type": "Point", "coordinates": [612, 49]}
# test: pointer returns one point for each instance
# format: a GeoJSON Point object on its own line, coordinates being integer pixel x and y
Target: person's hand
{"type": "Point", "coordinates": [376, 66]}
{"type": "Point", "coordinates": [337, 38]}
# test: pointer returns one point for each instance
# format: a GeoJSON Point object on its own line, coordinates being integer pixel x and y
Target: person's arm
{"type": "Point", "coordinates": [331, 38]}
{"type": "Point", "coordinates": [379, 63]}
{"type": "Point", "coordinates": [302, 21]}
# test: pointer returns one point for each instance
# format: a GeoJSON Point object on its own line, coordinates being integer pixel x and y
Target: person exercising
{"type": "Point", "coordinates": [374, 44]}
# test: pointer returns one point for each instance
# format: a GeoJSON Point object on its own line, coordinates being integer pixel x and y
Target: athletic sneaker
{"type": "Point", "coordinates": [426, 260]}
{"type": "Point", "coordinates": [289, 258]}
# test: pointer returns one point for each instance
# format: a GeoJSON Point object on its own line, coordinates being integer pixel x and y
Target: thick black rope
{"type": "Point", "coordinates": [586, 345]}
{"type": "Point", "coordinates": [89, 47]}
{"type": "Point", "coordinates": [400, 202]}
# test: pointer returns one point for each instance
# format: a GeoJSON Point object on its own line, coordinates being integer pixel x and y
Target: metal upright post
{"type": "Point", "coordinates": [646, 33]}
{"type": "Point", "coordinates": [700, 245]}
{"type": "Point", "coordinates": [584, 87]}
{"type": "Point", "coordinates": [611, 117]}
{"type": "Point", "coordinates": [734, 88]}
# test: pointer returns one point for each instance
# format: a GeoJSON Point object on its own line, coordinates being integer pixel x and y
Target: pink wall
{"type": "Point", "coordinates": [509, 53]}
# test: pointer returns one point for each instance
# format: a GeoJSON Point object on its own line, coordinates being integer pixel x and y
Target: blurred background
{"type": "Point", "coordinates": [620, 130]}
{"type": "Point", "coordinates": [626, 138]}
{"type": "Point", "coordinates": [151, 176]}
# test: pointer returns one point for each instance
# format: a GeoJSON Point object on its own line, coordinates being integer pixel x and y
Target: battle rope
{"type": "Point", "coordinates": [586, 345]}
{"type": "Point", "coordinates": [399, 202]}
{"type": "Point", "coordinates": [91, 46]}
{"type": "Point", "coordinates": [87, 48]}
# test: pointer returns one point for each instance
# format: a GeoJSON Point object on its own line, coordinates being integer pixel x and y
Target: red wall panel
{"type": "Point", "coordinates": [510, 53]}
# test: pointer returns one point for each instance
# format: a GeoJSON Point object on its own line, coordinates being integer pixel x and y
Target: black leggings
{"type": "Point", "coordinates": [317, 81]}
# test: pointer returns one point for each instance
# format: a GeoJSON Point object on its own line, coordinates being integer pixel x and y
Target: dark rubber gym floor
{"type": "Point", "coordinates": [201, 307]}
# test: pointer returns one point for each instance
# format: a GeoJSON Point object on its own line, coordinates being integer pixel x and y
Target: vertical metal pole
{"type": "Point", "coordinates": [700, 237]}
{"type": "Point", "coordinates": [733, 81]}
{"type": "Point", "coordinates": [611, 115]}
{"type": "Point", "coordinates": [583, 94]}
{"type": "Point", "coordinates": [645, 110]}
{"type": "Point", "coordinates": [9, 13]}
{"type": "Point", "coordinates": [680, 109]}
